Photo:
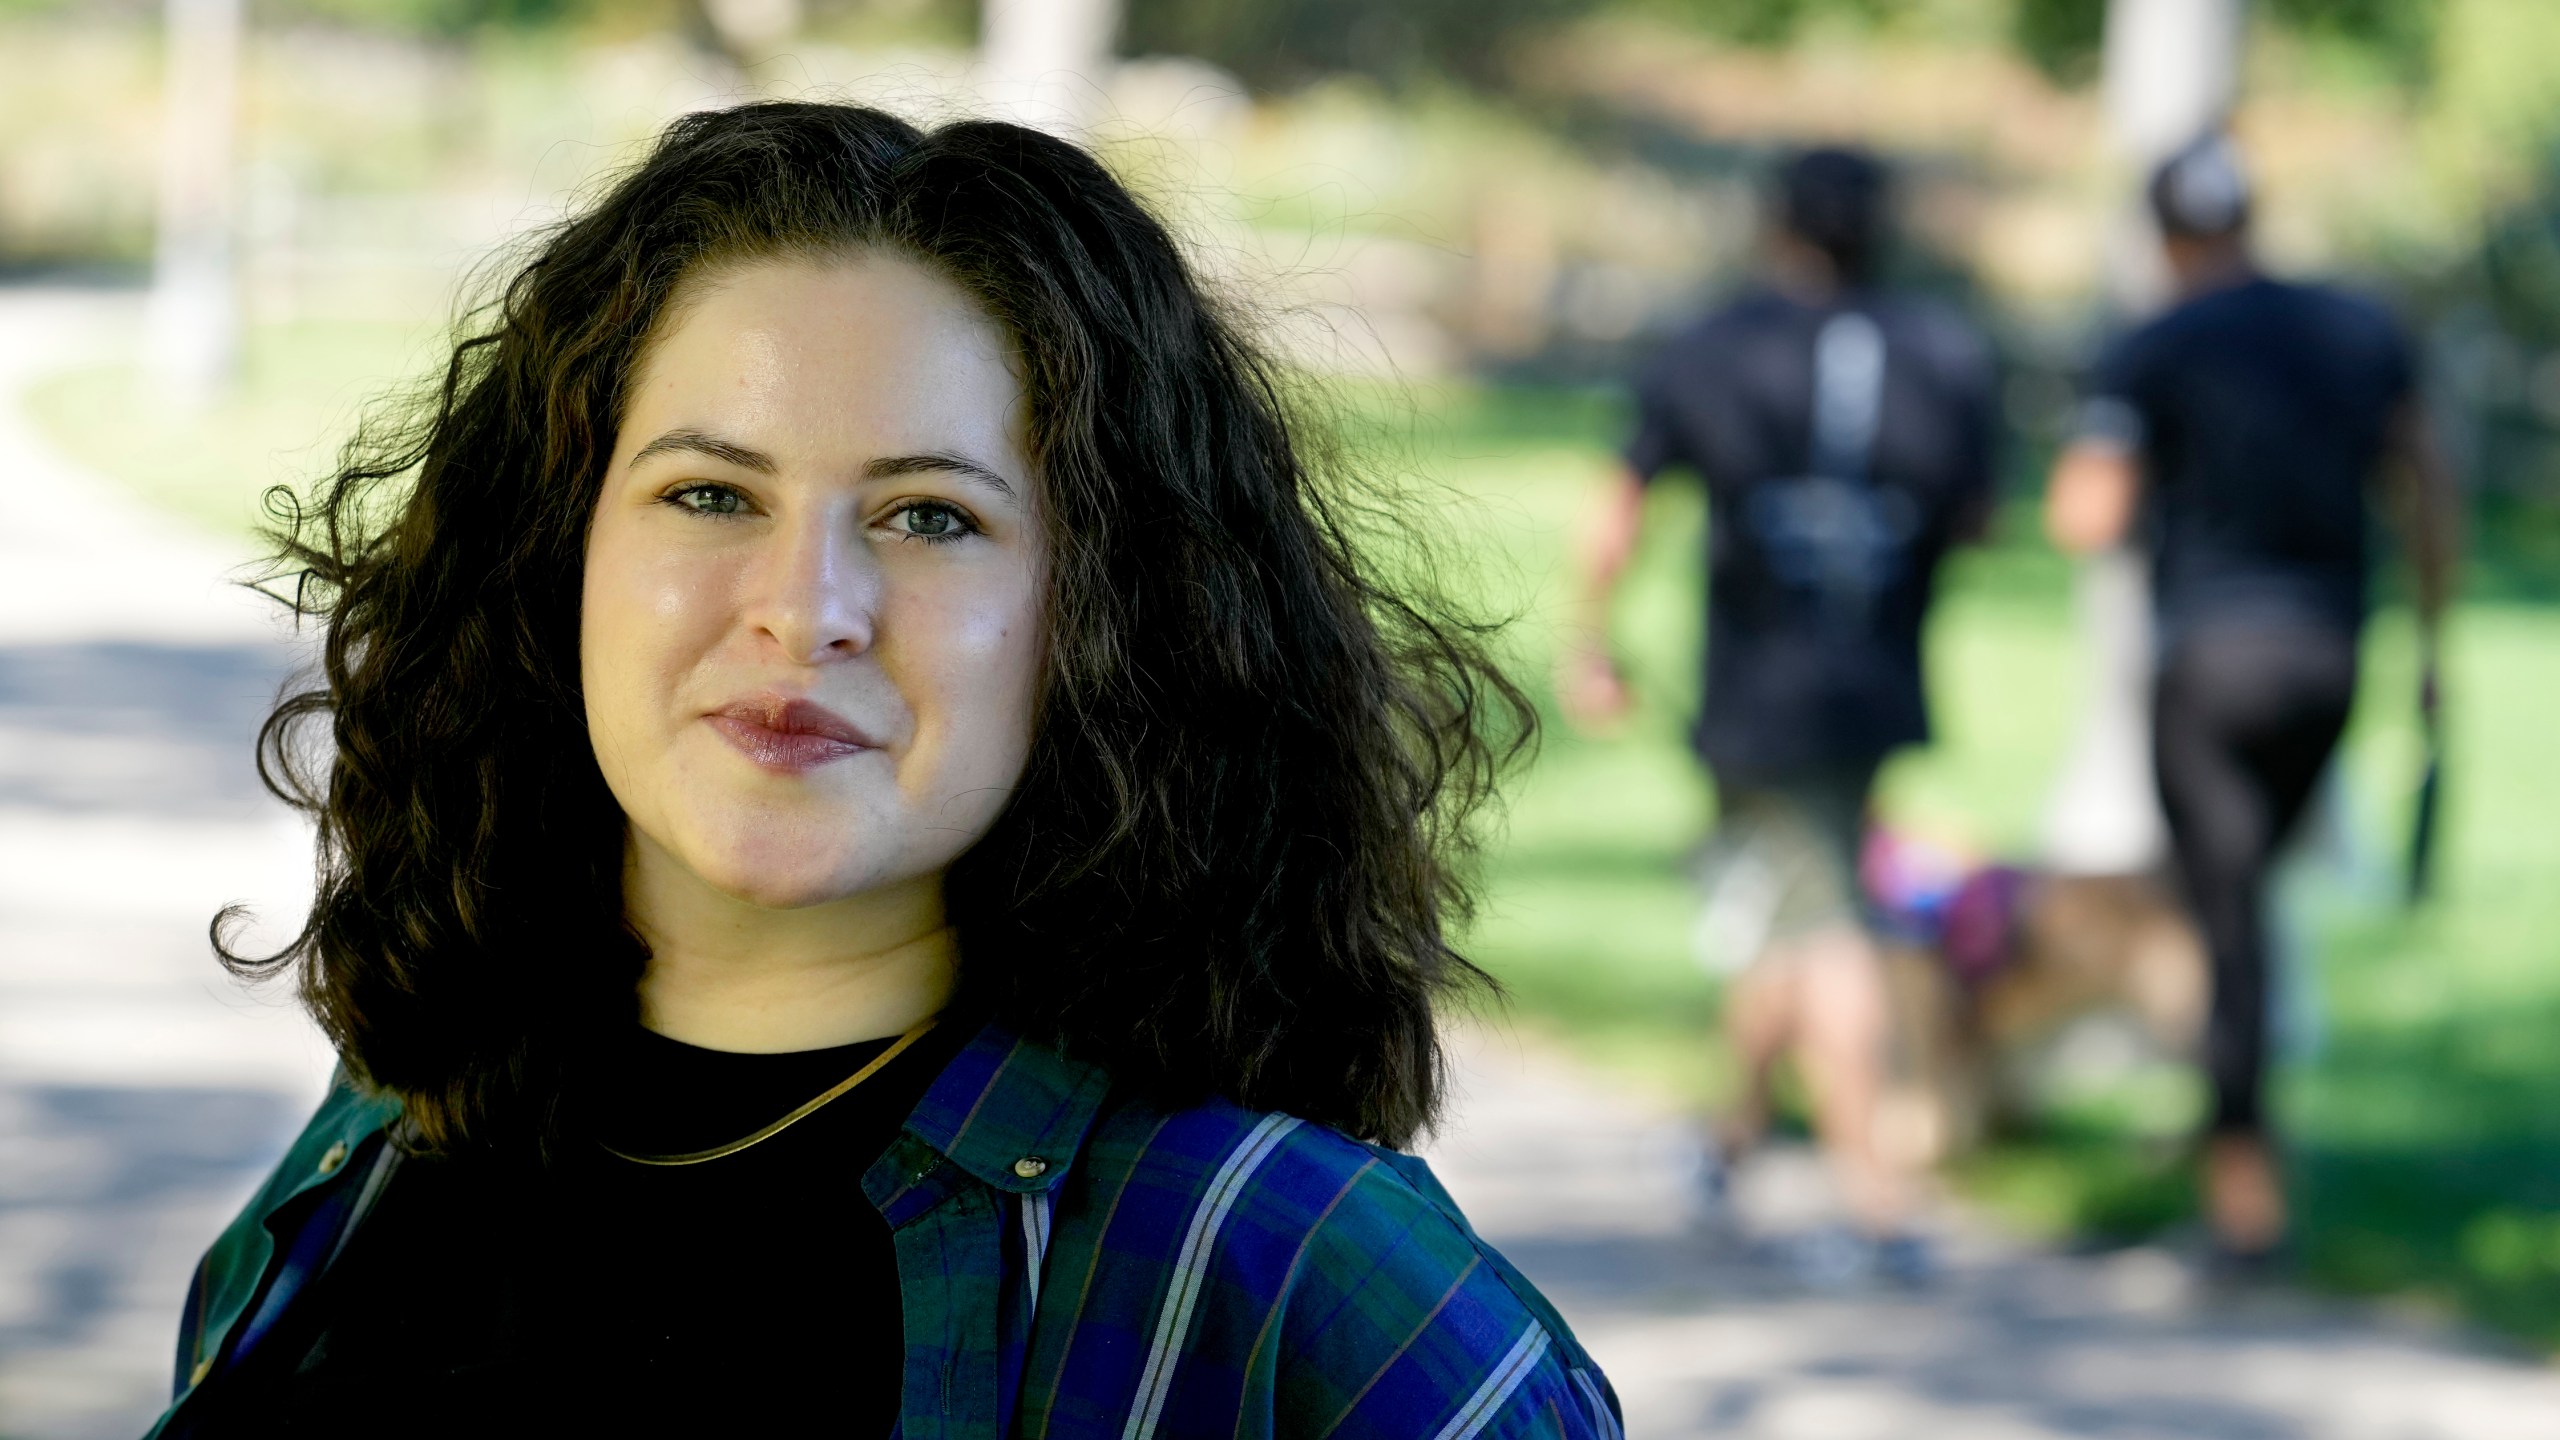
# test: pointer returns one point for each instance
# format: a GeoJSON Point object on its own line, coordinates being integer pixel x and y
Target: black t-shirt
{"type": "Point", "coordinates": [2260, 412]}
{"type": "Point", "coordinates": [754, 1294]}
{"type": "Point", "coordinates": [1835, 486]}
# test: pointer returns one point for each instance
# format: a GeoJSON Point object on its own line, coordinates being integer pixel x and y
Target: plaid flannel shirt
{"type": "Point", "coordinates": [1076, 1264]}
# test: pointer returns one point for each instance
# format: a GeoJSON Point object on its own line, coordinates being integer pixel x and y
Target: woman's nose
{"type": "Point", "coordinates": [817, 587]}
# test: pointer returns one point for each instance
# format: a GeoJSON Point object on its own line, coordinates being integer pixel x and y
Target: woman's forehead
{"type": "Point", "coordinates": [868, 349]}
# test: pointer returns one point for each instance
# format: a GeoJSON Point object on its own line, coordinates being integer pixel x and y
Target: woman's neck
{"type": "Point", "coordinates": [727, 975]}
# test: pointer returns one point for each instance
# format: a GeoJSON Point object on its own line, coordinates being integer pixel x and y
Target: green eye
{"type": "Point", "coordinates": [708, 500]}
{"type": "Point", "coordinates": [932, 521]}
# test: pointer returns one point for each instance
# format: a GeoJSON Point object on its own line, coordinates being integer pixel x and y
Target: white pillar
{"type": "Point", "coordinates": [2172, 71]}
{"type": "Point", "coordinates": [1047, 60]}
{"type": "Point", "coordinates": [192, 326]}
{"type": "Point", "coordinates": [2172, 67]}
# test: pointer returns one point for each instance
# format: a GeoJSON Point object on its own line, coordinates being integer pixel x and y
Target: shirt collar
{"type": "Point", "coordinates": [1011, 1113]}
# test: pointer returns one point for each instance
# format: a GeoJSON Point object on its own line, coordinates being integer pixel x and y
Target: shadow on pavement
{"type": "Point", "coordinates": [2049, 1347]}
{"type": "Point", "coordinates": [154, 729]}
{"type": "Point", "coordinates": [88, 1172]}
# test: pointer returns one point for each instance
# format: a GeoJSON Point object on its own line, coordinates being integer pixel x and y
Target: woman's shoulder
{"type": "Point", "coordinates": [343, 1127]}
{"type": "Point", "coordinates": [1292, 1173]}
{"type": "Point", "coordinates": [1334, 1261]}
{"type": "Point", "coordinates": [338, 1144]}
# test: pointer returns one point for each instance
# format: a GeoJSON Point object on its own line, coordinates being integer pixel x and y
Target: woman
{"type": "Point", "coordinates": [883, 866]}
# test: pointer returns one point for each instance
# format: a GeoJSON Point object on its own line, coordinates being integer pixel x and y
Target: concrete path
{"type": "Point", "coordinates": [142, 1094]}
{"type": "Point", "coordinates": [1591, 1192]}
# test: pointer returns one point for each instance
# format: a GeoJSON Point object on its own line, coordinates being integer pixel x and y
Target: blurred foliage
{"type": "Point", "coordinates": [2404, 27]}
{"type": "Point", "coordinates": [428, 17]}
{"type": "Point", "coordinates": [2493, 110]}
{"type": "Point", "coordinates": [1774, 22]}
{"type": "Point", "coordinates": [2061, 37]}
{"type": "Point", "coordinates": [449, 19]}
{"type": "Point", "coordinates": [1285, 43]}
{"type": "Point", "coordinates": [1279, 44]}
{"type": "Point", "coordinates": [435, 17]}
{"type": "Point", "coordinates": [2518, 272]}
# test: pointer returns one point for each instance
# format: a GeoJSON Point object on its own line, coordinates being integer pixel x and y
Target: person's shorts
{"type": "Point", "coordinates": [1782, 863]}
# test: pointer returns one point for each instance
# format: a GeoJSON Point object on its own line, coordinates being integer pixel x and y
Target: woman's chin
{"type": "Point", "coordinates": [795, 883]}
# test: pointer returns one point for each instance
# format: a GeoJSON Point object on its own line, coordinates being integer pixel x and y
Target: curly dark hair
{"type": "Point", "coordinates": [1241, 839]}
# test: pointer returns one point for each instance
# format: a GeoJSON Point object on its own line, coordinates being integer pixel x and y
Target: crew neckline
{"type": "Point", "coordinates": [660, 1095]}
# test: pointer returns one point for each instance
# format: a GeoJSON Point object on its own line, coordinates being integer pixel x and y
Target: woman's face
{"type": "Point", "coordinates": [811, 634]}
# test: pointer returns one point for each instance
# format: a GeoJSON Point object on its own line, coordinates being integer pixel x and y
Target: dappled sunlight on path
{"type": "Point", "coordinates": [1591, 1190]}
{"type": "Point", "coordinates": [142, 1093]}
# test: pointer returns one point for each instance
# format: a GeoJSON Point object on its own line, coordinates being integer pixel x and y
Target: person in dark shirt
{"type": "Point", "coordinates": [1845, 438]}
{"type": "Point", "coordinates": [2237, 437]}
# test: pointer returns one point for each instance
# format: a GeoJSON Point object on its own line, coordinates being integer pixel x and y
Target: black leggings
{"type": "Point", "coordinates": [2243, 721]}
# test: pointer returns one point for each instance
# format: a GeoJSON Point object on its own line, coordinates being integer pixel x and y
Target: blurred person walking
{"type": "Point", "coordinates": [1845, 438]}
{"type": "Point", "coordinates": [2236, 437]}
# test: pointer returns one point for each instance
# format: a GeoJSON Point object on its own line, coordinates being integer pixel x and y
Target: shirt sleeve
{"type": "Point", "coordinates": [1654, 445]}
{"type": "Point", "coordinates": [2400, 361]}
{"type": "Point", "coordinates": [2112, 404]}
{"type": "Point", "coordinates": [1403, 1323]}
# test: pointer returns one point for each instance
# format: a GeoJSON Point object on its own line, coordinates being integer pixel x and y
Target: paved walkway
{"type": "Point", "coordinates": [1589, 1191]}
{"type": "Point", "coordinates": [142, 1094]}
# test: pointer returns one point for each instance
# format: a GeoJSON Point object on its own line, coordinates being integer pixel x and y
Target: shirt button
{"type": "Point", "coordinates": [333, 1158]}
{"type": "Point", "coordinates": [1030, 1167]}
{"type": "Point", "coordinates": [203, 1368]}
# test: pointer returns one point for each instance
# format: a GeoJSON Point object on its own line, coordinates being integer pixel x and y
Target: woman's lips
{"type": "Point", "coordinates": [788, 737]}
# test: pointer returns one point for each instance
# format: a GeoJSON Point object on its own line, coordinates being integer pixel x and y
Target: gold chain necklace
{"type": "Point", "coordinates": [832, 1094]}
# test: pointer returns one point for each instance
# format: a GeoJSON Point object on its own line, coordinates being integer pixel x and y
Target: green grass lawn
{"type": "Point", "coordinates": [2423, 1094]}
{"type": "Point", "coordinates": [299, 393]}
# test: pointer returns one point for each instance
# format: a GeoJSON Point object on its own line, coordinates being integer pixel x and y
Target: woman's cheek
{"type": "Point", "coordinates": [982, 663]}
{"type": "Point", "coordinates": [1011, 634]}
{"type": "Point", "coordinates": [651, 614]}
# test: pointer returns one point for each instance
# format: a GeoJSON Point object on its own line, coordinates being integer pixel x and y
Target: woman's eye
{"type": "Point", "coordinates": [707, 499]}
{"type": "Point", "coordinates": [926, 520]}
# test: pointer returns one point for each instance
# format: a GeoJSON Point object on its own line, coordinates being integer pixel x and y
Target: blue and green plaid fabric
{"type": "Point", "coordinates": [1076, 1264]}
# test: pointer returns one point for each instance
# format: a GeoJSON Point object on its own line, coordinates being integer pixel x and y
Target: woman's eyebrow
{"type": "Point", "coordinates": [696, 442]}
{"type": "Point", "coordinates": [967, 469]}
